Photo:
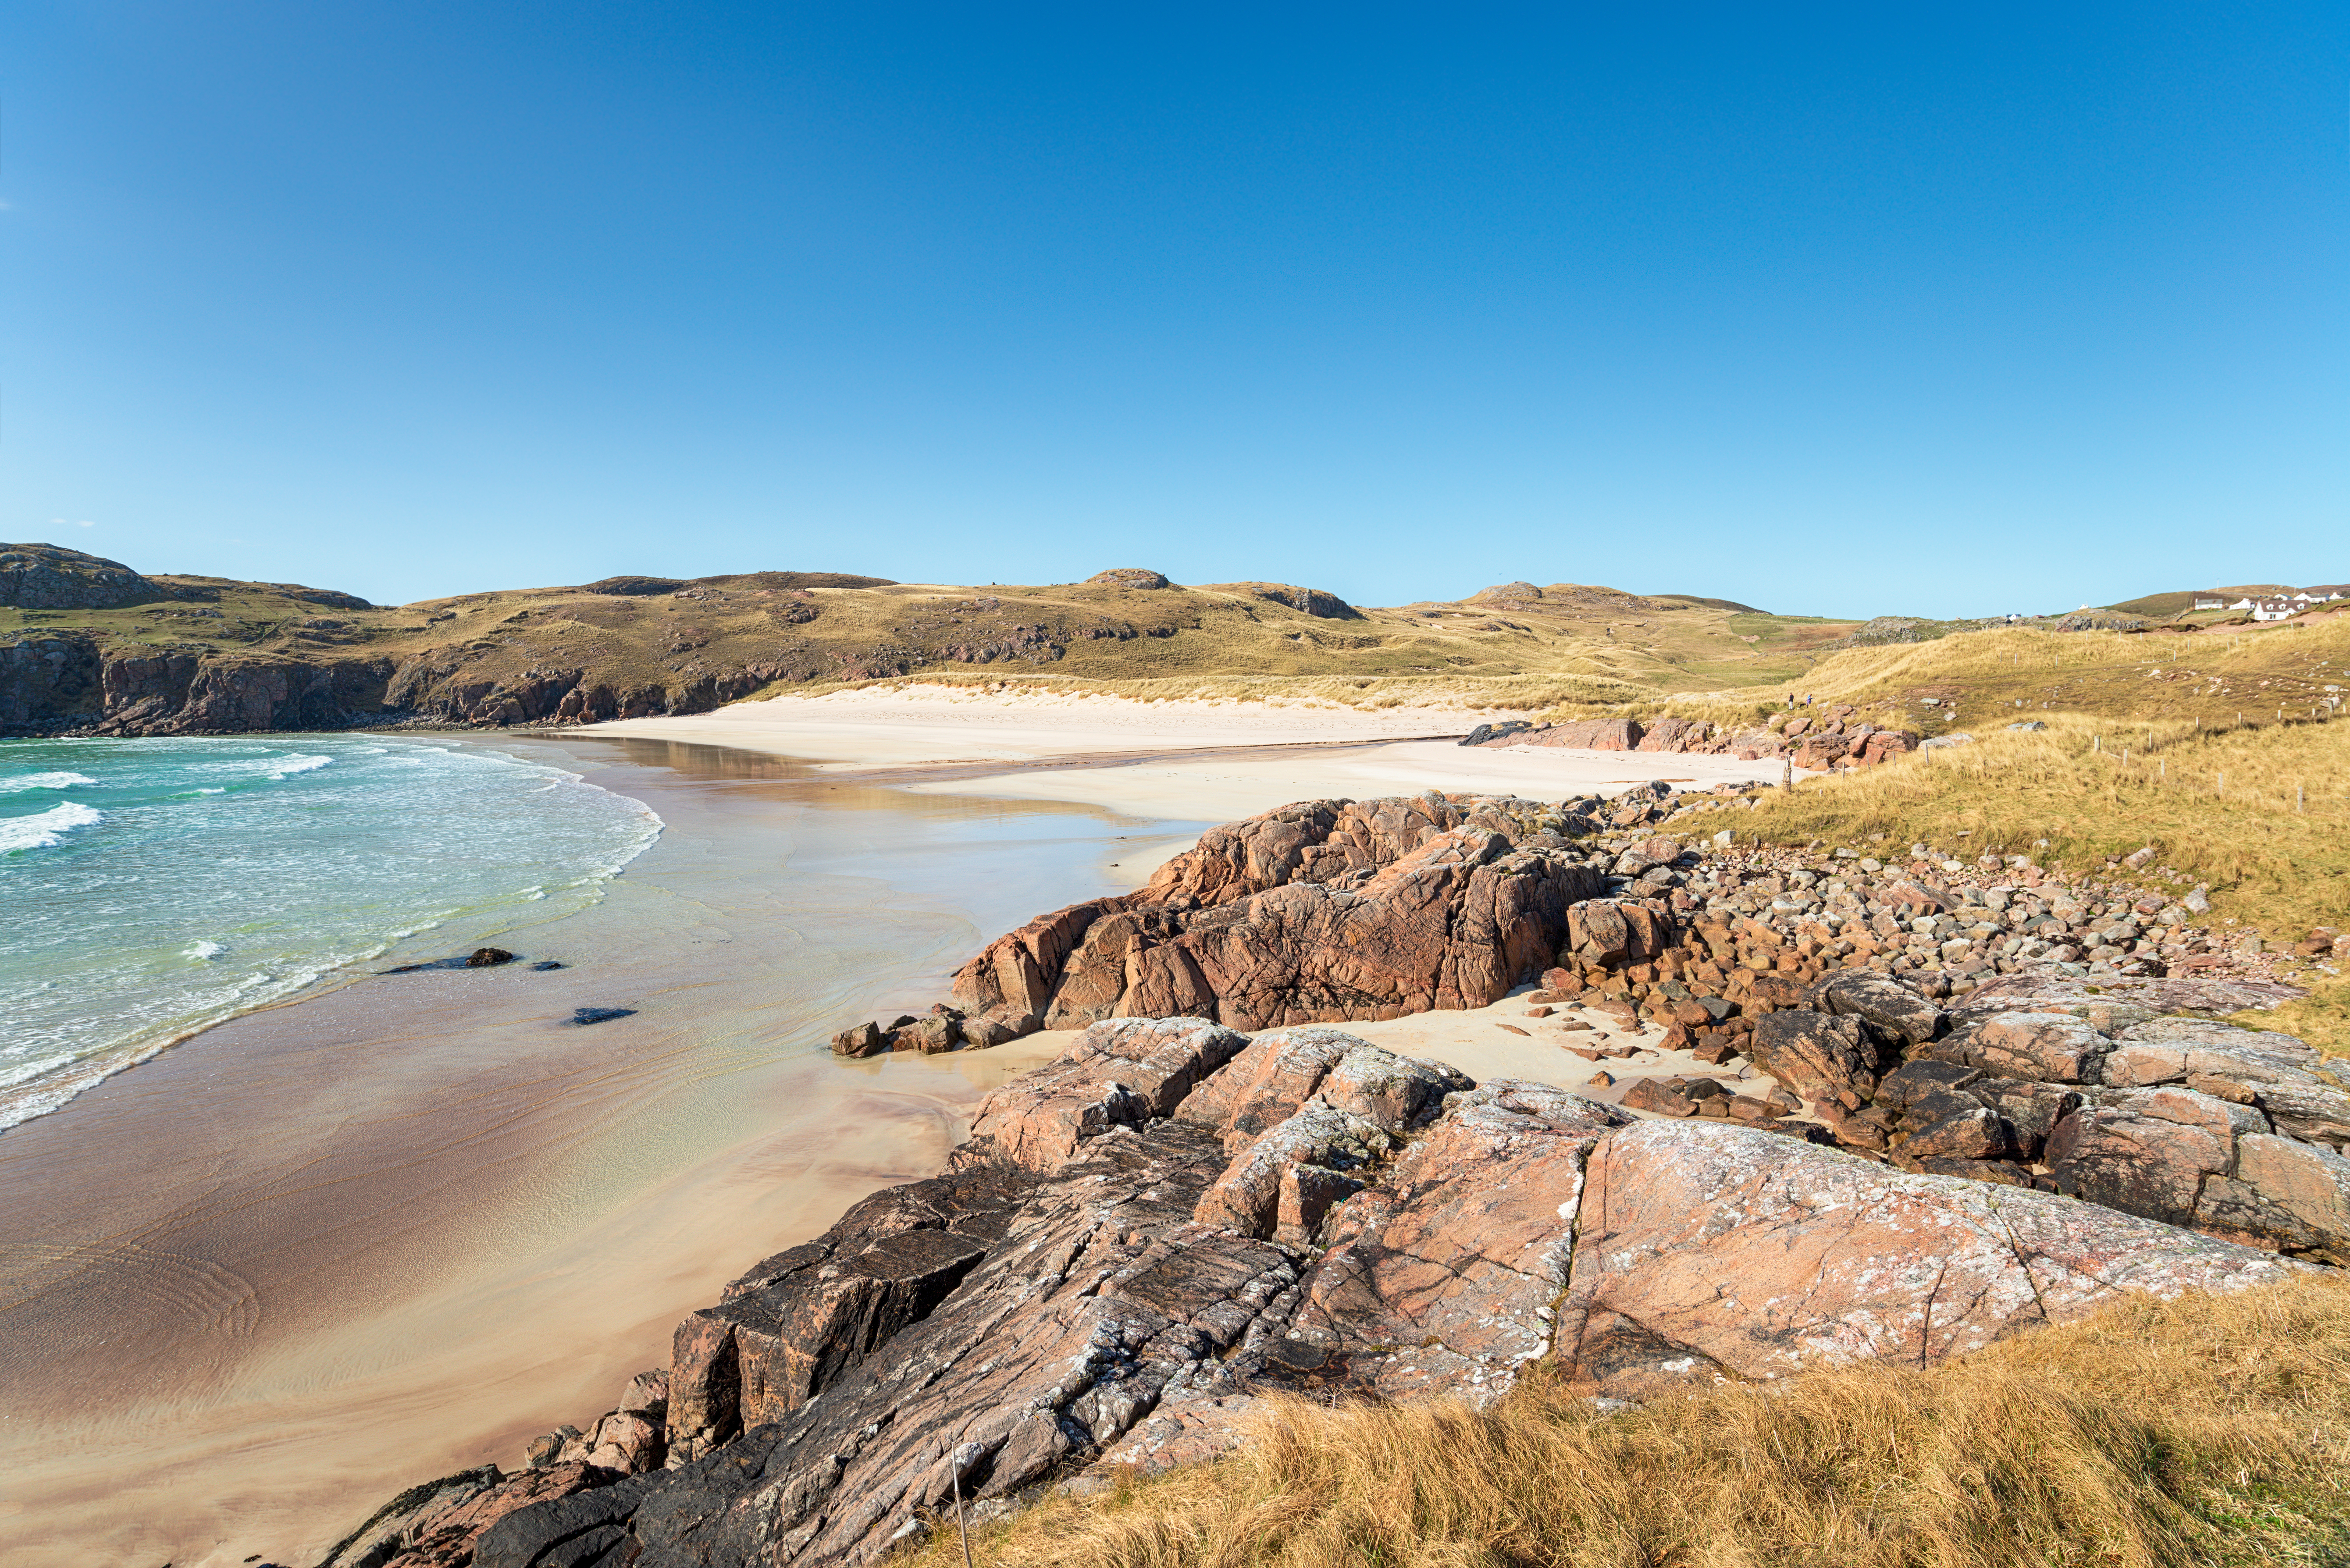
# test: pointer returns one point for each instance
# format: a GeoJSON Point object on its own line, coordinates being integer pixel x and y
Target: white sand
{"type": "Point", "coordinates": [1480, 1043]}
{"type": "Point", "coordinates": [1223, 787]}
{"type": "Point", "coordinates": [924, 726]}
{"type": "Point", "coordinates": [1202, 762]}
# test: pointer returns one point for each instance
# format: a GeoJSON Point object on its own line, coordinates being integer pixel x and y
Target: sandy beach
{"type": "Point", "coordinates": [341, 1245]}
{"type": "Point", "coordinates": [1218, 761]}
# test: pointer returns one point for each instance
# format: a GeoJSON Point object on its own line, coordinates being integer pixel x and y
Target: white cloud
{"type": "Point", "coordinates": [85, 523]}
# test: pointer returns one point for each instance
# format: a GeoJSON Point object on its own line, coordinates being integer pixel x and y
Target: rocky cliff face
{"type": "Point", "coordinates": [75, 682]}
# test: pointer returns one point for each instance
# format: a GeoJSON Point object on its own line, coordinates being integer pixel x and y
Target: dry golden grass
{"type": "Point", "coordinates": [2213, 676]}
{"type": "Point", "coordinates": [2212, 1429]}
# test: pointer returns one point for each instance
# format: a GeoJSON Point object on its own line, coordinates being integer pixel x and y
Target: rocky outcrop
{"type": "Point", "coordinates": [49, 577]}
{"type": "Point", "coordinates": [1836, 738]}
{"type": "Point", "coordinates": [83, 682]}
{"type": "Point", "coordinates": [1318, 912]}
{"type": "Point", "coordinates": [1301, 1210]}
{"type": "Point", "coordinates": [1717, 1251]}
{"type": "Point", "coordinates": [1314, 602]}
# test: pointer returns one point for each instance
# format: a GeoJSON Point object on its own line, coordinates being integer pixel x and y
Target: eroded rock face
{"type": "Point", "coordinates": [1713, 1250]}
{"type": "Point", "coordinates": [82, 681]}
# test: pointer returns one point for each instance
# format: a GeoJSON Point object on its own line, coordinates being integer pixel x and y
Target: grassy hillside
{"type": "Point", "coordinates": [769, 631]}
{"type": "Point", "coordinates": [1993, 677]}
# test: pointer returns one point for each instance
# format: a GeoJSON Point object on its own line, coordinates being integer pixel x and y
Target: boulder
{"type": "Point", "coordinates": [939, 1032]}
{"type": "Point", "coordinates": [1118, 1074]}
{"type": "Point", "coordinates": [1892, 1009]}
{"type": "Point", "coordinates": [983, 1031]}
{"type": "Point", "coordinates": [1818, 1056]}
{"type": "Point", "coordinates": [2138, 1164]}
{"type": "Point", "coordinates": [1708, 1250]}
{"type": "Point", "coordinates": [2284, 1193]}
{"type": "Point", "coordinates": [2052, 1047]}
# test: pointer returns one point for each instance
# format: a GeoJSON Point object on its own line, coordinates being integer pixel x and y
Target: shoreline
{"type": "Point", "coordinates": [395, 1229]}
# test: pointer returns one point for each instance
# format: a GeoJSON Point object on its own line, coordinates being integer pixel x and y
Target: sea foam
{"type": "Point", "coordinates": [44, 780]}
{"type": "Point", "coordinates": [44, 829]}
{"type": "Point", "coordinates": [231, 873]}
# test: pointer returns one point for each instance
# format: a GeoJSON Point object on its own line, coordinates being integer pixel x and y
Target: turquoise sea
{"type": "Point", "coordinates": [149, 887]}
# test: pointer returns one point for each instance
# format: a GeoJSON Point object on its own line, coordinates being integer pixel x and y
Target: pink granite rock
{"type": "Point", "coordinates": [1712, 1251]}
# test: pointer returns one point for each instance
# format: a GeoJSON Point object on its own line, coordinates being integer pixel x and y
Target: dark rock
{"type": "Point", "coordinates": [862, 1040]}
{"type": "Point", "coordinates": [1894, 1010]}
{"type": "Point", "coordinates": [582, 1016]}
{"type": "Point", "coordinates": [1819, 1055]}
{"type": "Point", "coordinates": [1976, 1134]}
{"type": "Point", "coordinates": [543, 965]}
{"type": "Point", "coordinates": [1916, 1078]}
{"type": "Point", "coordinates": [480, 958]}
{"type": "Point", "coordinates": [2137, 1164]}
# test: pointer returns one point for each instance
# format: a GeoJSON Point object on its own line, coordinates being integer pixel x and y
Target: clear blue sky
{"type": "Point", "coordinates": [1845, 309]}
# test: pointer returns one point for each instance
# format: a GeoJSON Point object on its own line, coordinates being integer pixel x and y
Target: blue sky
{"type": "Point", "coordinates": [1832, 310]}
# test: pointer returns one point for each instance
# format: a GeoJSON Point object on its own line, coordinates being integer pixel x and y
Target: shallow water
{"type": "Point", "coordinates": [149, 887]}
{"type": "Point", "coordinates": [254, 1285]}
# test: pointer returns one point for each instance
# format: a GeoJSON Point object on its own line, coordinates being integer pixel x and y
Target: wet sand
{"type": "Point", "coordinates": [252, 1288]}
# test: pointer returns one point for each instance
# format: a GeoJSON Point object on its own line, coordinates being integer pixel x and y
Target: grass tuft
{"type": "Point", "coordinates": [2210, 1430]}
